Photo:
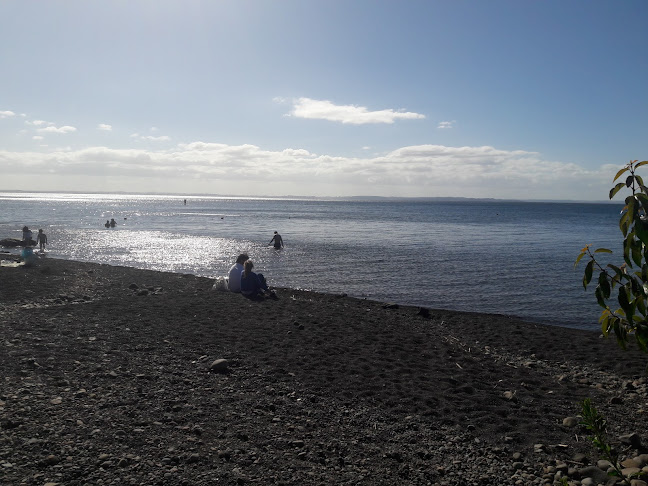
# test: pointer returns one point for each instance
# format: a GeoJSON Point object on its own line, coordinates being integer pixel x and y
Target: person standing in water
{"type": "Point", "coordinates": [278, 241]}
{"type": "Point", "coordinates": [41, 239]}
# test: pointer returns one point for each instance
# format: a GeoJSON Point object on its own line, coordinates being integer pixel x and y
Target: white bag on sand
{"type": "Point", "coordinates": [220, 284]}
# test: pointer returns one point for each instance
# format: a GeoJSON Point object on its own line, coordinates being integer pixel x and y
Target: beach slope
{"type": "Point", "coordinates": [107, 378]}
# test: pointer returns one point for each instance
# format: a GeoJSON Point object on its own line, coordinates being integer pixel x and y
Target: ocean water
{"type": "Point", "coordinates": [501, 257]}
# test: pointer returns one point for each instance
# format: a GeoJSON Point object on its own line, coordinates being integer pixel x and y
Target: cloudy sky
{"type": "Point", "coordinates": [504, 99]}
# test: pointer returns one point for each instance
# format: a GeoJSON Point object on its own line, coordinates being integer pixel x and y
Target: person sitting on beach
{"type": "Point", "coordinates": [253, 284]}
{"type": "Point", "coordinates": [113, 223]}
{"type": "Point", "coordinates": [234, 278]}
{"type": "Point", "coordinates": [278, 241]}
{"type": "Point", "coordinates": [41, 239]}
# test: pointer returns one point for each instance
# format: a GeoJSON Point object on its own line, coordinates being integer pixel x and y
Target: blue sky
{"type": "Point", "coordinates": [505, 99]}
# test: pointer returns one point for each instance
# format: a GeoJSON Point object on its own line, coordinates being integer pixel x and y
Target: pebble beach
{"type": "Point", "coordinates": [115, 375]}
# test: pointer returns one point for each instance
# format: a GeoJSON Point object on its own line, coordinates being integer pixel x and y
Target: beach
{"type": "Point", "coordinates": [452, 250]}
{"type": "Point", "coordinates": [111, 376]}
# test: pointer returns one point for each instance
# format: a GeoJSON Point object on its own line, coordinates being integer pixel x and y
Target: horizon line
{"type": "Point", "coordinates": [334, 198]}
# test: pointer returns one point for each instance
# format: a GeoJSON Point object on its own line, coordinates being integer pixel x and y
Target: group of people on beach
{"type": "Point", "coordinates": [27, 254]}
{"type": "Point", "coordinates": [27, 237]}
{"type": "Point", "coordinates": [242, 279]}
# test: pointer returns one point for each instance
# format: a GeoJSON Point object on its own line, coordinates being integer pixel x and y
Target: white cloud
{"type": "Point", "coordinates": [347, 114]}
{"type": "Point", "coordinates": [104, 127]}
{"type": "Point", "coordinates": [6, 114]}
{"type": "Point", "coordinates": [49, 127]}
{"type": "Point", "coordinates": [447, 124]}
{"type": "Point", "coordinates": [53, 129]}
{"type": "Point", "coordinates": [38, 123]}
{"type": "Point", "coordinates": [423, 170]}
{"type": "Point", "coordinates": [161, 138]}
{"type": "Point", "coordinates": [37, 137]}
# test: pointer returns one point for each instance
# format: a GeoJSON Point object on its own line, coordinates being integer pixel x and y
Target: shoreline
{"type": "Point", "coordinates": [107, 377]}
{"type": "Point", "coordinates": [6, 254]}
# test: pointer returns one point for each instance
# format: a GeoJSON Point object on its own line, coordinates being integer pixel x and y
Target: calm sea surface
{"type": "Point", "coordinates": [498, 257]}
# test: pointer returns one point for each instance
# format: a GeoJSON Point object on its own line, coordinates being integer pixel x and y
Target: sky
{"type": "Point", "coordinates": [509, 99]}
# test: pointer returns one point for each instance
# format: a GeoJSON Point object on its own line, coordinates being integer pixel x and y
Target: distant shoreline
{"type": "Point", "coordinates": [318, 198]}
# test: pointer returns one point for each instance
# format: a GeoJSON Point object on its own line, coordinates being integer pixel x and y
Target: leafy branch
{"type": "Point", "coordinates": [630, 280]}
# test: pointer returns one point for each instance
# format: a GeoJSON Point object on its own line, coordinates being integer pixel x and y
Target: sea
{"type": "Point", "coordinates": [503, 257]}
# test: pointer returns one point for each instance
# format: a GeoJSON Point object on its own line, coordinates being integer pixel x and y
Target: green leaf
{"type": "Point", "coordinates": [620, 173]}
{"type": "Point", "coordinates": [641, 229]}
{"type": "Point", "coordinates": [630, 205]}
{"type": "Point", "coordinates": [642, 199]}
{"type": "Point", "coordinates": [639, 180]}
{"type": "Point", "coordinates": [589, 269]}
{"type": "Point", "coordinates": [637, 255]}
{"type": "Point", "coordinates": [629, 180]}
{"type": "Point", "coordinates": [641, 335]}
{"type": "Point", "coordinates": [616, 189]}
{"type": "Point", "coordinates": [616, 269]}
{"type": "Point", "coordinates": [641, 306]}
{"type": "Point", "coordinates": [643, 162]}
{"type": "Point", "coordinates": [620, 333]}
{"type": "Point", "coordinates": [604, 284]}
{"type": "Point", "coordinates": [624, 301]}
{"type": "Point", "coordinates": [602, 250]}
{"type": "Point", "coordinates": [623, 221]}
{"type": "Point", "coordinates": [627, 248]}
{"type": "Point", "coordinates": [579, 258]}
{"type": "Point", "coordinates": [600, 298]}
{"type": "Point", "coordinates": [605, 327]}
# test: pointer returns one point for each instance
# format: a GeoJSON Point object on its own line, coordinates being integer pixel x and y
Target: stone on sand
{"type": "Point", "coordinates": [219, 366]}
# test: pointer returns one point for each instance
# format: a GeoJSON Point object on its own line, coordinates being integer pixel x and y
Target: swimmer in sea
{"type": "Point", "coordinates": [278, 241]}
